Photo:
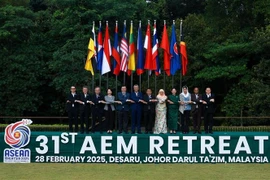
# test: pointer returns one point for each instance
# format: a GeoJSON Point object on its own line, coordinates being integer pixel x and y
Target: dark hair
{"type": "Point", "coordinates": [207, 87]}
{"type": "Point", "coordinates": [109, 89]}
{"type": "Point", "coordinates": [85, 87]}
{"type": "Point", "coordinates": [173, 88]}
{"type": "Point", "coordinates": [124, 86]}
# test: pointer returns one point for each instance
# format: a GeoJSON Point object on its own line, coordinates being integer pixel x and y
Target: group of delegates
{"type": "Point", "coordinates": [160, 112]}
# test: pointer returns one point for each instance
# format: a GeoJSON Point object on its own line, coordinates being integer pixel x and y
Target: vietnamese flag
{"type": "Point", "coordinates": [184, 58]}
{"type": "Point", "coordinates": [166, 49]}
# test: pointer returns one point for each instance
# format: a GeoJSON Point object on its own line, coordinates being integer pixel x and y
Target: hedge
{"type": "Point", "coordinates": [61, 127]}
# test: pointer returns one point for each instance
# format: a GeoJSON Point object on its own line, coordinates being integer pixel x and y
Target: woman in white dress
{"type": "Point", "coordinates": [161, 111]}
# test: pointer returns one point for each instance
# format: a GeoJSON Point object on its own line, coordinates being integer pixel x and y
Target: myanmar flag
{"type": "Point", "coordinates": [131, 61]}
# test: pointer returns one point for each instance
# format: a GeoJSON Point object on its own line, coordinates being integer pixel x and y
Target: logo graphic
{"type": "Point", "coordinates": [175, 48]}
{"type": "Point", "coordinates": [17, 136]}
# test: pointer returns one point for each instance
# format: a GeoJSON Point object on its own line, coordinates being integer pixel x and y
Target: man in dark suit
{"type": "Point", "coordinates": [196, 110]}
{"type": "Point", "coordinates": [97, 110]}
{"type": "Point", "coordinates": [136, 109]}
{"type": "Point", "coordinates": [123, 108]}
{"type": "Point", "coordinates": [72, 109]}
{"type": "Point", "coordinates": [85, 101]}
{"type": "Point", "coordinates": [209, 110]}
{"type": "Point", "coordinates": [149, 110]}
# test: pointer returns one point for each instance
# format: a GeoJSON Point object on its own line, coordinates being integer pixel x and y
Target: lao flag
{"type": "Point", "coordinates": [175, 59]}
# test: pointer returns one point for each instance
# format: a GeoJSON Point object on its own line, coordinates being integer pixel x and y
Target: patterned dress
{"type": "Point", "coordinates": [160, 121]}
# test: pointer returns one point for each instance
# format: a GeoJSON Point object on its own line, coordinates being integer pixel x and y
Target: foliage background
{"type": "Point", "coordinates": [43, 47]}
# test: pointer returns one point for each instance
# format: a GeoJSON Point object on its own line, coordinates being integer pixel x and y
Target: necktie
{"type": "Point", "coordinates": [85, 96]}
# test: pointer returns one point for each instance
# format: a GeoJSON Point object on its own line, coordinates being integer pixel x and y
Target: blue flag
{"type": "Point", "coordinates": [140, 60]}
{"type": "Point", "coordinates": [175, 59]}
{"type": "Point", "coordinates": [100, 49]}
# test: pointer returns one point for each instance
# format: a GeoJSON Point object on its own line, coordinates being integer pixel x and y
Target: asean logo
{"type": "Point", "coordinates": [17, 136]}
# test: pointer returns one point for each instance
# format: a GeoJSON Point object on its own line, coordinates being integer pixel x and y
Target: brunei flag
{"type": "Point", "coordinates": [131, 61]}
{"type": "Point", "coordinates": [91, 53]}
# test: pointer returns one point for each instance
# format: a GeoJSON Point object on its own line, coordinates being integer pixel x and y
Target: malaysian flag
{"type": "Point", "coordinates": [124, 50]}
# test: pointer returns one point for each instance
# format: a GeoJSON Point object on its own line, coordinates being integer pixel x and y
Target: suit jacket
{"type": "Point", "coordinates": [137, 104]}
{"type": "Point", "coordinates": [210, 106]}
{"type": "Point", "coordinates": [150, 105]}
{"type": "Point", "coordinates": [98, 106]}
{"type": "Point", "coordinates": [196, 102]}
{"type": "Point", "coordinates": [85, 106]}
{"type": "Point", "coordinates": [72, 105]}
{"type": "Point", "coordinates": [125, 105]}
{"type": "Point", "coordinates": [109, 102]}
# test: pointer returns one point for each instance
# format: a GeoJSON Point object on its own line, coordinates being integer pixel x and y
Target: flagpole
{"type": "Point", "coordinates": [116, 77]}
{"type": "Point", "coordinates": [155, 22]}
{"type": "Point", "coordinates": [100, 70]}
{"type": "Point", "coordinates": [148, 74]}
{"type": "Point", "coordinates": [164, 77]}
{"type": "Point", "coordinates": [124, 78]}
{"type": "Point", "coordinates": [93, 83]}
{"type": "Point", "coordinates": [173, 75]}
{"type": "Point", "coordinates": [93, 77]}
{"type": "Point", "coordinates": [107, 83]}
{"type": "Point", "coordinates": [131, 76]}
{"type": "Point", "coordinates": [181, 30]}
{"type": "Point", "coordinates": [116, 25]}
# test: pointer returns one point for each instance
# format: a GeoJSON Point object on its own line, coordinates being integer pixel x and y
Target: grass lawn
{"type": "Point", "coordinates": [134, 171]}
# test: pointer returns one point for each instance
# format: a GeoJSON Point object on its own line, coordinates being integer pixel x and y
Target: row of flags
{"type": "Point", "coordinates": [129, 57]}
